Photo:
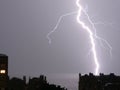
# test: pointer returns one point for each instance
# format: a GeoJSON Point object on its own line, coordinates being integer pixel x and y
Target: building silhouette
{"type": "Point", "coordinates": [35, 83]}
{"type": "Point", "coordinates": [101, 82]}
{"type": "Point", "coordinates": [41, 83]}
{"type": "Point", "coordinates": [86, 82]}
{"type": "Point", "coordinates": [3, 71]}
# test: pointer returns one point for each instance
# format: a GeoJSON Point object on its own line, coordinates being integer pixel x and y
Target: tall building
{"type": "Point", "coordinates": [3, 71]}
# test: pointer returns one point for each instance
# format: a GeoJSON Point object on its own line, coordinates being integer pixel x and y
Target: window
{"type": "Point", "coordinates": [2, 71]}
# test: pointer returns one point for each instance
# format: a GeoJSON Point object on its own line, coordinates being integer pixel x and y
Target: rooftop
{"type": "Point", "coordinates": [2, 55]}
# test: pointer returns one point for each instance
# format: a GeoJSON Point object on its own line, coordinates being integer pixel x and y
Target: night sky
{"type": "Point", "coordinates": [24, 25]}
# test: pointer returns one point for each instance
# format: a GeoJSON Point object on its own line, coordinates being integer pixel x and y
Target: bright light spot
{"type": "Point", "coordinates": [2, 71]}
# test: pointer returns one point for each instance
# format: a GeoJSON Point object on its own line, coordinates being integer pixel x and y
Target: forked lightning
{"type": "Point", "coordinates": [92, 33]}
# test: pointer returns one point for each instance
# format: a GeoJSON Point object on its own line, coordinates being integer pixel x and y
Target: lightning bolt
{"type": "Point", "coordinates": [92, 33]}
{"type": "Point", "coordinates": [56, 26]}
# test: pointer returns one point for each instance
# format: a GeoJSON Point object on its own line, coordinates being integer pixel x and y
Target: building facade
{"type": "Point", "coordinates": [101, 82]}
{"type": "Point", "coordinates": [3, 71]}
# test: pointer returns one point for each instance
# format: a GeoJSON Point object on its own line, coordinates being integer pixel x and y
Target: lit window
{"type": "Point", "coordinates": [2, 71]}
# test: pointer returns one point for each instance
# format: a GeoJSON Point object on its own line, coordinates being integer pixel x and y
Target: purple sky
{"type": "Point", "coordinates": [24, 25]}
